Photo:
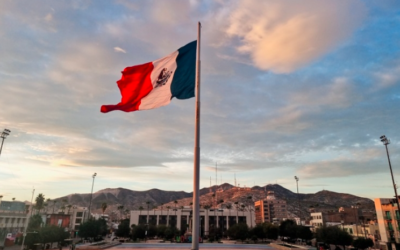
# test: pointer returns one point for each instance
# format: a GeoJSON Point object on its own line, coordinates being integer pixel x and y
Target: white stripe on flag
{"type": "Point", "coordinates": [161, 93]}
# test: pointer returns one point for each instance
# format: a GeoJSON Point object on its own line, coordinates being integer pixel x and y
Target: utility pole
{"type": "Point", "coordinates": [27, 220]}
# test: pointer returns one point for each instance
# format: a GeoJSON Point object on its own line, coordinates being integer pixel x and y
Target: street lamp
{"type": "Point", "coordinates": [298, 198]}
{"type": "Point", "coordinates": [91, 194]}
{"type": "Point", "coordinates": [4, 134]}
{"type": "Point", "coordinates": [386, 141]}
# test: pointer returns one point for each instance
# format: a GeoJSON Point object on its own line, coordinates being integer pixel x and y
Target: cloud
{"type": "Point", "coordinates": [118, 49]}
{"type": "Point", "coordinates": [282, 35]}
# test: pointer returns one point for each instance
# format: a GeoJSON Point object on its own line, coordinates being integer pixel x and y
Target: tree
{"type": "Point", "coordinates": [140, 210]}
{"type": "Point", "coordinates": [175, 202]}
{"type": "Point", "coordinates": [151, 230]}
{"type": "Point", "coordinates": [52, 233]}
{"type": "Point", "coordinates": [288, 229]}
{"type": "Point", "coordinates": [257, 232]}
{"type": "Point", "coordinates": [363, 243]}
{"type": "Point", "coordinates": [39, 202]}
{"type": "Point", "coordinates": [304, 233]}
{"type": "Point", "coordinates": [103, 207]}
{"type": "Point", "coordinates": [250, 201]}
{"type": "Point", "coordinates": [123, 229]}
{"type": "Point", "coordinates": [138, 232]}
{"type": "Point", "coordinates": [93, 228]}
{"type": "Point", "coordinates": [54, 205]}
{"type": "Point", "coordinates": [148, 208]}
{"type": "Point", "coordinates": [168, 207]}
{"type": "Point", "coordinates": [237, 211]}
{"type": "Point", "coordinates": [120, 209]}
{"type": "Point", "coordinates": [161, 231]}
{"type": "Point", "coordinates": [69, 206]}
{"type": "Point", "coordinates": [271, 231]}
{"type": "Point", "coordinates": [34, 223]}
{"type": "Point", "coordinates": [334, 236]}
{"type": "Point", "coordinates": [239, 231]}
{"type": "Point", "coordinates": [170, 232]}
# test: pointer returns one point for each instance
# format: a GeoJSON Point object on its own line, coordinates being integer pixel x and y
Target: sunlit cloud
{"type": "Point", "coordinates": [118, 49]}
{"type": "Point", "coordinates": [283, 36]}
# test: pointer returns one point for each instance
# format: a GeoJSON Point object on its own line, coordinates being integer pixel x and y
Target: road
{"type": "Point", "coordinates": [208, 246]}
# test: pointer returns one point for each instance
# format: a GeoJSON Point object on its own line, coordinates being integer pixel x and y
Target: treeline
{"type": "Point", "coordinates": [45, 236]}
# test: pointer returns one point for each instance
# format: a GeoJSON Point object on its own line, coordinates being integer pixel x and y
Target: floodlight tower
{"type": "Point", "coordinates": [4, 134]}
{"type": "Point", "coordinates": [91, 194]}
{"type": "Point", "coordinates": [386, 142]}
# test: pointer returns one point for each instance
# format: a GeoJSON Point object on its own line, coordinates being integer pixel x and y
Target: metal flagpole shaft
{"type": "Point", "coordinates": [196, 169]}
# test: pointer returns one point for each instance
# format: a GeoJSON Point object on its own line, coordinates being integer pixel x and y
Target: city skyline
{"type": "Point", "coordinates": [287, 89]}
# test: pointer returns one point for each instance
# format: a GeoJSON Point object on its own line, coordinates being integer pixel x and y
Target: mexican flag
{"type": "Point", "coordinates": [154, 84]}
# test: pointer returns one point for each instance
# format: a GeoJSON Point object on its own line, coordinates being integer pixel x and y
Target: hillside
{"type": "Point", "coordinates": [221, 196]}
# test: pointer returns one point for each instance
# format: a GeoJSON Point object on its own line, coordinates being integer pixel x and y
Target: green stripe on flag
{"type": "Point", "coordinates": [183, 83]}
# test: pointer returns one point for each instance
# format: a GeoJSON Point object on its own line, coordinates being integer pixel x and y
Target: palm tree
{"type": "Point", "coordinates": [162, 204]}
{"type": "Point", "coordinates": [54, 205]}
{"type": "Point", "coordinates": [120, 209]}
{"type": "Point", "coordinates": [168, 207]}
{"type": "Point", "coordinates": [243, 206]}
{"type": "Point", "coordinates": [103, 207]}
{"type": "Point", "coordinates": [127, 213]}
{"type": "Point", "coordinates": [176, 202]}
{"type": "Point", "coordinates": [229, 206]}
{"type": "Point", "coordinates": [69, 206]}
{"type": "Point", "coordinates": [237, 211]}
{"type": "Point", "coordinates": [148, 207]}
{"type": "Point", "coordinates": [249, 198]}
{"type": "Point", "coordinates": [39, 202]}
{"type": "Point", "coordinates": [140, 210]}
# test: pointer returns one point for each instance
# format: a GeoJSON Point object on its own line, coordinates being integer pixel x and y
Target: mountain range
{"type": "Point", "coordinates": [218, 195]}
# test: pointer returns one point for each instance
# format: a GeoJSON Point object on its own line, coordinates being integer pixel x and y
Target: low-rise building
{"type": "Point", "coordinates": [182, 218]}
{"type": "Point", "coordinates": [13, 216]}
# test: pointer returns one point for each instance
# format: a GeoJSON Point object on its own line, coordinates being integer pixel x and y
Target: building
{"type": "Point", "coordinates": [387, 215]}
{"type": "Point", "coordinates": [181, 218]}
{"type": "Point", "coordinates": [344, 216]}
{"type": "Point", "coordinates": [13, 216]}
{"type": "Point", "coordinates": [60, 220]}
{"type": "Point", "coordinates": [270, 209]}
{"type": "Point", "coordinates": [78, 216]}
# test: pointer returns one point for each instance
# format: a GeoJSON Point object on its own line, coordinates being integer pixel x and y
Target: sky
{"type": "Point", "coordinates": [288, 88]}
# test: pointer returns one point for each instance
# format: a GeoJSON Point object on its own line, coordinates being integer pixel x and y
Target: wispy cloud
{"type": "Point", "coordinates": [118, 49]}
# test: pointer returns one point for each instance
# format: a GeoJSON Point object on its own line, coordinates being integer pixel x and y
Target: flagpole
{"type": "Point", "coordinates": [196, 168]}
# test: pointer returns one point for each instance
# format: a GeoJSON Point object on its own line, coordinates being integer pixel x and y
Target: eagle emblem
{"type": "Point", "coordinates": [163, 77]}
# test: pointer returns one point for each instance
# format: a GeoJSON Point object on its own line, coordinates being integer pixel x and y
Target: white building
{"type": "Point", "coordinates": [317, 220]}
{"type": "Point", "coordinates": [78, 216]}
{"type": "Point", "coordinates": [13, 215]}
{"type": "Point", "coordinates": [181, 218]}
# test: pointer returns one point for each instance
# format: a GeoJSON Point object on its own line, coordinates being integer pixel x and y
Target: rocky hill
{"type": "Point", "coordinates": [224, 195]}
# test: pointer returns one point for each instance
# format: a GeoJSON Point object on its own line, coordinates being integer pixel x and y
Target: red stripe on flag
{"type": "Point", "coordinates": [135, 84]}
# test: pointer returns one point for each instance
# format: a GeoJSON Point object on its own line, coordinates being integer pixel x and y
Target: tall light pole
{"type": "Point", "coordinates": [298, 198]}
{"type": "Point", "coordinates": [91, 194]}
{"type": "Point", "coordinates": [386, 141]}
{"type": "Point", "coordinates": [4, 134]}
